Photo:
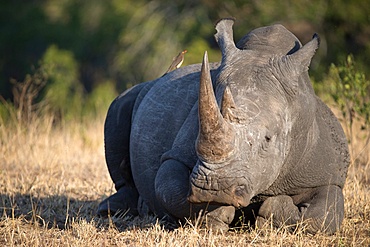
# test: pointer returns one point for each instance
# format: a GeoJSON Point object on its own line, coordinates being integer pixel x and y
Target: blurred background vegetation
{"type": "Point", "coordinates": [72, 57]}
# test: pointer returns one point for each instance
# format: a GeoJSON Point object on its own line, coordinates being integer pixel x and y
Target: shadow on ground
{"type": "Point", "coordinates": [59, 211]}
{"type": "Point", "coordinates": [51, 211]}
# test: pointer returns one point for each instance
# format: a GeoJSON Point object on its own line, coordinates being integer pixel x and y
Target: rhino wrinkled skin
{"type": "Point", "coordinates": [247, 134]}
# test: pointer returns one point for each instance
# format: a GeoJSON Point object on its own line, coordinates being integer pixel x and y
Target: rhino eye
{"type": "Point", "coordinates": [268, 138]}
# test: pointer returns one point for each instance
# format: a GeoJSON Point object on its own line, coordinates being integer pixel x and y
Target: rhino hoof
{"type": "Point", "coordinates": [216, 224]}
{"type": "Point", "coordinates": [220, 218]}
{"type": "Point", "coordinates": [117, 204]}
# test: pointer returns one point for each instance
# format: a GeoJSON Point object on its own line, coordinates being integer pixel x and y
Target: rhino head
{"type": "Point", "coordinates": [246, 123]}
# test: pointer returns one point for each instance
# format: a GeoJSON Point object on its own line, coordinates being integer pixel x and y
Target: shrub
{"type": "Point", "coordinates": [63, 92]}
{"type": "Point", "coordinates": [99, 99]}
{"type": "Point", "coordinates": [350, 89]}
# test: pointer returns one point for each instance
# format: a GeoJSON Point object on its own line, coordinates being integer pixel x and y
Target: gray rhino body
{"type": "Point", "coordinates": [248, 133]}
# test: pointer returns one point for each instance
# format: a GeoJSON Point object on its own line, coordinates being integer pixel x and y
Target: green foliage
{"type": "Point", "coordinates": [63, 93]}
{"type": "Point", "coordinates": [154, 34]}
{"type": "Point", "coordinates": [99, 99]}
{"type": "Point", "coordinates": [350, 91]}
{"type": "Point", "coordinates": [127, 41]}
{"type": "Point", "coordinates": [54, 88]}
{"type": "Point", "coordinates": [82, 44]}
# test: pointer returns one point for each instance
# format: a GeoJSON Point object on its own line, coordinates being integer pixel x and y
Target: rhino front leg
{"type": "Point", "coordinates": [172, 188]}
{"type": "Point", "coordinates": [320, 209]}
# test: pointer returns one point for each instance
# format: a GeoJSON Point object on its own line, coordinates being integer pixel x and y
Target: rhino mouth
{"type": "Point", "coordinates": [219, 191]}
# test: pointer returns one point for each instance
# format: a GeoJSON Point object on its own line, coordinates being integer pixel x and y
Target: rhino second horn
{"type": "Point", "coordinates": [216, 136]}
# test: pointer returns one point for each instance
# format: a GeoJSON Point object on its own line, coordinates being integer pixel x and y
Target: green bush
{"type": "Point", "coordinates": [99, 99]}
{"type": "Point", "coordinates": [63, 92]}
{"type": "Point", "coordinates": [54, 89]}
{"type": "Point", "coordinates": [350, 89]}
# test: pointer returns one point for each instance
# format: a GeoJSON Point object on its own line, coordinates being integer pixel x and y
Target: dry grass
{"type": "Point", "coordinates": [52, 179]}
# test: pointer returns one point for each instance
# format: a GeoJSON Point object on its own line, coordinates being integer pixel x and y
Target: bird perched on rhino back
{"type": "Point", "coordinates": [176, 62]}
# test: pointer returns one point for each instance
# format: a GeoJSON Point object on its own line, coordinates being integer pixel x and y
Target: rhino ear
{"type": "Point", "coordinates": [224, 37]}
{"type": "Point", "coordinates": [301, 59]}
{"type": "Point", "coordinates": [291, 67]}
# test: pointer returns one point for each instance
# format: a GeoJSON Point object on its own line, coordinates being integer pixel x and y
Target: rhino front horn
{"type": "Point", "coordinates": [215, 142]}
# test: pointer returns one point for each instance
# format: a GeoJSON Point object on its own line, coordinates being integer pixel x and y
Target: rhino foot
{"type": "Point", "coordinates": [281, 209]}
{"type": "Point", "coordinates": [219, 219]}
{"type": "Point", "coordinates": [124, 201]}
{"type": "Point", "coordinates": [318, 210]}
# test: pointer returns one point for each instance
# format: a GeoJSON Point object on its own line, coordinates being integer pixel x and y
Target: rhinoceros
{"type": "Point", "coordinates": [246, 134]}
